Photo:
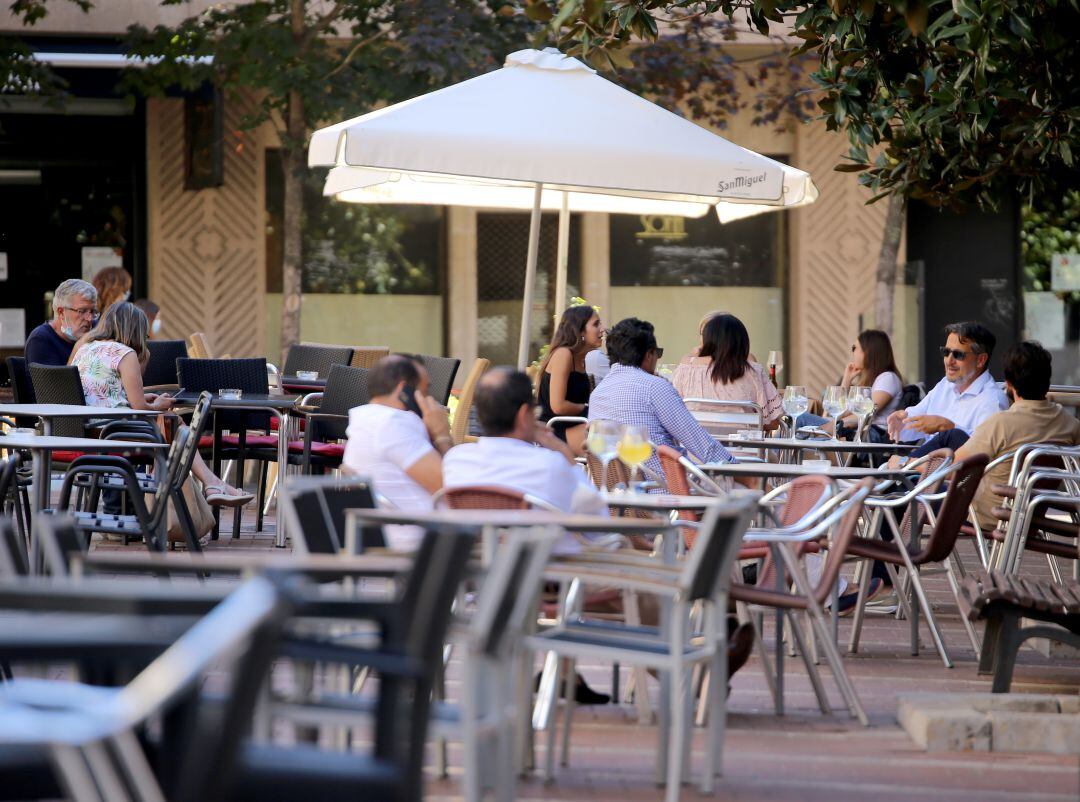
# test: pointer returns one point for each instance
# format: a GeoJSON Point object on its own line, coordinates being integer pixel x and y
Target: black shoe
{"type": "Point", "coordinates": [583, 694]}
{"type": "Point", "coordinates": [740, 644]}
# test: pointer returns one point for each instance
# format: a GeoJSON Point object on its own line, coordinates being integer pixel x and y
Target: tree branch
{"type": "Point", "coordinates": [356, 48]}
{"type": "Point", "coordinates": [323, 24]}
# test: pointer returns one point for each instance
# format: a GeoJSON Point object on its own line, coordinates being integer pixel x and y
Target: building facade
{"type": "Point", "coordinates": [439, 281]}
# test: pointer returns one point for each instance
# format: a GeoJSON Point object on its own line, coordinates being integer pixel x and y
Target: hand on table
{"type": "Point", "coordinates": [895, 423]}
{"type": "Point", "coordinates": [162, 403]}
{"type": "Point", "coordinates": [929, 424]}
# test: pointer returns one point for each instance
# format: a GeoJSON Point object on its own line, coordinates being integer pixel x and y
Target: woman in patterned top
{"type": "Point", "coordinates": [110, 359]}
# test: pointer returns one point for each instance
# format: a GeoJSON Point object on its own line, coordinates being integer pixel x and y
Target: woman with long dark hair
{"type": "Point", "coordinates": [873, 365]}
{"type": "Point", "coordinates": [563, 387]}
{"type": "Point", "coordinates": [722, 370]}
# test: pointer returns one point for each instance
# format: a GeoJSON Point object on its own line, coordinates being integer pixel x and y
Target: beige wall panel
{"type": "Point", "coordinates": [834, 250]}
{"type": "Point", "coordinates": [409, 323]}
{"type": "Point", "coordinates": [676, 312]}
{"type": "Point", "coordinates": [207, 248]}
{"type": "Point", "coordinates": [107, 16]}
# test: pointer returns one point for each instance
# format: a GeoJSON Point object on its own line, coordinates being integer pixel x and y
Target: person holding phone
{"type": "Point", "coordinates": [398, 440]}
{"type": "Point", "coordinates": [110, 359]}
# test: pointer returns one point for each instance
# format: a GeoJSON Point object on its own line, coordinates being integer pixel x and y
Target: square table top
{"type": "Point", "coordinates": [35, 442]}
{"type": "Point", "coordinates": [779, 443]}
{"type": "Point", "coordinates": [73, 411]}
{"type": "Point", "coordinates": [479, 519]}
{"type": "Point", "coordinates": [792, 471]}
{"type": "Point", "coordinates": [259, 400]}
{"type": "Point", "coordinates": [664, 502]}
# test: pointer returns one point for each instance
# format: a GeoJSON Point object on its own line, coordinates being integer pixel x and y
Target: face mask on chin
{"type": "Point", "coordinates": [68, 332]}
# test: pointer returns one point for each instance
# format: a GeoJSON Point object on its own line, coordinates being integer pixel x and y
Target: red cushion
{"type": "Point", "coordinates": [67, 456]}
{"type": "Point", "coordinates": [233, 441]}
{"type": "Point", "coordinates": [321, 449]}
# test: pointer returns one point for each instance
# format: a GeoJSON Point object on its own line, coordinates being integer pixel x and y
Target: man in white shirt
{"type": "Point", "coordinates": [398, 439]}
{"type": "Point", "coordinates": [507, 455]}
{"type": "Point", "coordinates": [962, 400]}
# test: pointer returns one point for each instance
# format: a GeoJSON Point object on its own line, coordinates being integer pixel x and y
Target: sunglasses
{"type": "Point", "coordinates": [659, 352]}
{"type": "Point", "coordinates": [959, 356]}
{"type": "Point", "coordinates": [853, 349]}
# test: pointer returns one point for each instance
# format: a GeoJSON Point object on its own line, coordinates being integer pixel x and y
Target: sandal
{"type": "Point", "coordinates": [219, 496]}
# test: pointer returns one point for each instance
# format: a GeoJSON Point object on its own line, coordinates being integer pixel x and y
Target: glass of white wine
{"type": "Point", "coordinates": [634, 449]}
{"type": "Point", "coordinates": [795, 403]}
{"type": "Point", "coordinates": [835, 403]}
{"type": "Point", "coordinates": [861, 404]}
{"type": "Point", "coordinates": [603, 443]}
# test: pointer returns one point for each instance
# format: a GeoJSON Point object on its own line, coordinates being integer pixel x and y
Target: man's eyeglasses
{"type": "Point", "coordinates": [86, 312]}
{"type": "Point", "coordinates": [659, 352]}
{"type": "Point", "coordinates": [959, 356]}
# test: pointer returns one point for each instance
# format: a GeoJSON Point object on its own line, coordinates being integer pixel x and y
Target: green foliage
{"type": "Point", "coordinates": [349, 56]}
{"type": "Point", "coordinates": [948, 101]}
{"type": "Point", "coordinates": [1047, 228]}
{"type": "Point", "coordinates": [24, 74]}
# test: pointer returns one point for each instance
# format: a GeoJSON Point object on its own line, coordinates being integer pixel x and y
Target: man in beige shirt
{"type": "Point", "coordinates": [1031, 419]}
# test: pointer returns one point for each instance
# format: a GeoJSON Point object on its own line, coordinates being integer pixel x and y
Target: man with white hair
{"type": "Point", "coordinates": [74, 304]}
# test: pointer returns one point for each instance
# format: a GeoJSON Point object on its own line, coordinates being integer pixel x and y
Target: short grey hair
{"type": "Point", "coordinates": [71, 289]}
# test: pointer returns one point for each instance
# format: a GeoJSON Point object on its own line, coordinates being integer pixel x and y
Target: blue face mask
{"type": "Point", "coordinates": [68, 332]}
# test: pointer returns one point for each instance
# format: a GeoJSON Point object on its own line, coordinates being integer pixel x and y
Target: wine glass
{"type": "Point", "coordinates": [861, 403]}
{"type": "Point", "coordinates": [835, 403]}
{"type": "Point", "coordinates": [795, 403]}
{"type": "Point", "coordinates": [603, 442]}
{"type": "Point", "coordinates": [634, 448]}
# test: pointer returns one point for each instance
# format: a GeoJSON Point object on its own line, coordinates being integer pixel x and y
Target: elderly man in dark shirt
{"type": "Point", "coordinates": [74, 304]}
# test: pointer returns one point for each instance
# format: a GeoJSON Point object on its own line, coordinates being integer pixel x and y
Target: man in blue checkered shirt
{"type": "Point", "coordinates": [633, 395]}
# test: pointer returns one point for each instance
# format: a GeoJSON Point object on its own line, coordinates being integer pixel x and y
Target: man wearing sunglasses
{"type": "Point", "coordinates": [962, 400]}
{"type": "Point", "coordinates": [74, 305]}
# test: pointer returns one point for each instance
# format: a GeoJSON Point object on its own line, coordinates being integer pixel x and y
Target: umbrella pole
{"type": "Point", "coordinates": [563, 254]}
{"type": "Point", "coordinates": [530, 278]}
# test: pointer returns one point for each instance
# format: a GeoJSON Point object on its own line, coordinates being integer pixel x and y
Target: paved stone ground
{"type": "Point", "coordinates": [805, 756]}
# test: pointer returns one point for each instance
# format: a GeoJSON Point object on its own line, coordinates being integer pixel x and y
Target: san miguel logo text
{"type": "Point", "coordinates": [740, 183]}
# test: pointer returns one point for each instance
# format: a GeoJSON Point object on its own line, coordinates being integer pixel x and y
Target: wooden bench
{"type": "Point", "coordinates": [1002, 601]}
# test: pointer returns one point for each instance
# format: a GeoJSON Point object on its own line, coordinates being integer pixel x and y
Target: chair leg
{"type": "Point", "coordinates": [568, 711]}
{"type": "Point", "coordinates": [860, 606]}
{"type": "Point", "coordinates": [811, 666]}
{"type": "Point", "coordinates": [260, 492]}
{"type": "Point", "coordinates": [714, 692]}
{"type": "Point", "coordinates": [676, 734]}
{"type": "Point", "coordinates": [954, 586]}
{"type": "Point", "coordinates": [549, 755]}
{"type": "Point", "coordinates": [237, 511]}
{"type": "Point", "coordinates": [924, 603]}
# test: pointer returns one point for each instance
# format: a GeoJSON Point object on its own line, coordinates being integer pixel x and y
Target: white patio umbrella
{"type": "Point", "coordinates": [546, 132]}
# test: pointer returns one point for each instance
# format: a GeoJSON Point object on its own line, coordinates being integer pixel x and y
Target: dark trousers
{"type": "Point", "coordinates": [952, 438]}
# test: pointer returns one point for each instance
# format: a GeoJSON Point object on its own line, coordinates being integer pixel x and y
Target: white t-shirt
{"type": "Point", "coordinates": [887, 382]}
{"type": "Point", "coordinates": [516, 465]}
{"type": "Point", "coordinates": [597, 364]}
{"type": "Point", "coordinates": [383, 443]}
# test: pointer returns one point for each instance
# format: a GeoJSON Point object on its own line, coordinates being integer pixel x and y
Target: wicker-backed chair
{"type": "Point", "coordinates": [441, 371]}
{"type": "Point", "coordinates": [319, 358]}
{"type": "Point", "coordinates": [200, 346]}
{"type": "Point", "coordinates": [161, 369]}
{"type": "Point", "coordinates": [460, 430]}
{"type": "Point", "coordinates": [250, 431]}
{"type": "Point", "coordinates": [60, 384]}
{"type": "Point", "coordinates": [21, 387]}
{"type": "Point", "coordinates": [365, 356]}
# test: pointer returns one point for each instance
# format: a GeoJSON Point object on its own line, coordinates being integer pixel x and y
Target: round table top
{"type": "Point", "coordinates": [49, 443]}
{"type": "Point", "coordinates": [779, 443]}
{"type": "Point", "coordinates": [478, 519]}
{"type": "Point", "coordinates": [72, 411]}
{"type": "Point", "coordinates": [787, 470]}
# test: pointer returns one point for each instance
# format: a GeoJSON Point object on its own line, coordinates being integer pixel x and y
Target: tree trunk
{"type": "Point", "coordinates": [885, 290]}
{"type": "Point", "coordinates": [294, 164]}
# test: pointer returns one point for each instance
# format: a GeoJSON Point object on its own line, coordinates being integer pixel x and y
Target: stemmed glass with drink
{"type": "Point", "coordinates": [835, 403]}
{"type": "Point", "coordinates": [634, 448]}
{"type": "Point", "coordinates": [861, 403]}
{"type": "Point", "coordinates": [795, 403]}
{"type": "Point", "coordinates": [603, 443]}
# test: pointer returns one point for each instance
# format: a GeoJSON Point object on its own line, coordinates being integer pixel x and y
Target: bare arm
{"type": "Point", "coordinates": [427, 471]}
